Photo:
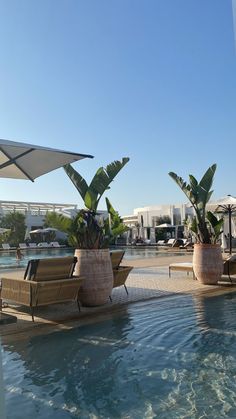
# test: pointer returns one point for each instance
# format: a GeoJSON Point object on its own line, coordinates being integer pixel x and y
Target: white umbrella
{"type": "Point", "coordinates": [43, 230]}
{"type": "Point", "coordinates": [165, 225]}
{"type": "Point", "coordinates": [26, 161]}
{"type": "Point", "coordinates": [225, 205]}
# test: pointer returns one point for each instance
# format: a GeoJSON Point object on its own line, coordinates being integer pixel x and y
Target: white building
{"type": "Point", "coordinates": [34, 212]}
{"type": "Point", "coordinates": [148, 216]}
{"type": "Point", "coordinates": [143, 221]}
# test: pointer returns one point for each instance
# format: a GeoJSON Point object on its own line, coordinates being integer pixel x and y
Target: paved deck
{"type": "Point", "coordinates": [148, 280]}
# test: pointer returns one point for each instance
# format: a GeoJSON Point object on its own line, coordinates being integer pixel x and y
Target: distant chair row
{"type": "Point", "coordinates": [182, 243]}
{"type": "Point", "coordinates": [6, 246]}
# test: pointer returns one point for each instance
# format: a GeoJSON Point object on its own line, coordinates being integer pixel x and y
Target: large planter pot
{"type": "Point", "coordinates": [207, 263]}
{"type": "Point", "coordinates": [95, 266]}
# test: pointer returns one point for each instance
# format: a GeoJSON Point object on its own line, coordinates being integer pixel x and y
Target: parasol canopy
{"type": "Point", "coordinates": [227, 206]}
{"type": "Point", "coordinates": [165, 225]}
{"type": "Point", "coordinates": [26, 161]}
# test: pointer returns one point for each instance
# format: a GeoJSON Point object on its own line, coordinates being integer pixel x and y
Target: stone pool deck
{"type": "Point", "coordinates": [148, 280]}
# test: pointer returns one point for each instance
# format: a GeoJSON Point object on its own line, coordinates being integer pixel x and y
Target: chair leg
{"type": "Point", "coordinates": [32, 313]}
{"type": "Point", "coordinates": [110, 298]}
{"type": "Point", "coordinates": [229, 276]}
{"type": "Point", "coordinates": [78, 304]}
{"type": "Point", "coordinates": [126, 289]}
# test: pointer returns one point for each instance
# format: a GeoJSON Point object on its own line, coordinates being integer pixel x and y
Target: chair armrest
{"type": "Point", "coordinates": [120, 275]}
{"type": "Point", "coordinates": [17, 290]}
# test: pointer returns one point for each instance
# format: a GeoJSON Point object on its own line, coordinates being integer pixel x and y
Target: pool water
{"type": "Point", "coordinates": [173, 358]}
{"type": "Point", "coordinates": [8, 259]}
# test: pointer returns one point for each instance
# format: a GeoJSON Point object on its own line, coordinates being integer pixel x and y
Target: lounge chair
{"type": "Point", "coordinates": [32, 245]}
{"type": "Point", "coordinates": [161, 242]}
{"type": "Point", "coordinates": [182, 266]}
{"type": "Point", "coordinates": [171, 242]}
{"type": "Point", "coordinates": [43, 244]}
{"type": "Point", "coordinates": [45, 281]}
{"type": "Point", "coordinates": [6, 246]}
{"type": "Point", "coordinates": [23, 246]}
{"type": "Point", "coordinates": [229, 266]}
{"type": "Point", "coordinates": [187, 244]}
{"type": "Point", "coordinates": [54, 244]}
{"type": "Point", "coordinates": [120, 273]}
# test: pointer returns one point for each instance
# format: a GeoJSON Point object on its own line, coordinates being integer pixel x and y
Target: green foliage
{"type": "Point", "coordinates": [88, 230]}
{"type": "Point", "coordinates": [116, 226]}
{"type": "Point", "coordinates": [16, 222]}
{"type": "Point", "coordinates": [58, 221]}
{"type": "Point", "coordinates": [205, 226]}
{"type": "Point", "coordinates": [91, 194]}
{"type": "Point", "coordinates": [4, 237]}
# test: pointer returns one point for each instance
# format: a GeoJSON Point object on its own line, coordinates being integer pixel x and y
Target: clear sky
{"type": "Point", "coordinates": [152, 80]}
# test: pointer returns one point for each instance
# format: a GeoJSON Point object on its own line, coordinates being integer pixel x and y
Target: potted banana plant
{"type": "Point", "coordinates": [206, 228]}
{"type": "Point", "coordinates": [90, 233]}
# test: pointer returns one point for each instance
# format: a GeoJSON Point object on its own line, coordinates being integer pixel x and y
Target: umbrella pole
{"type": "Point", "coordinates": [230, 230]}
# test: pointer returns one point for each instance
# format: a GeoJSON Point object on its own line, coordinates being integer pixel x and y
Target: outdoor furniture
{"type": "Point", "coordinates": [187, 245]}
{"type": "Point", "coordinates": [32, 245]}
{"type": "Point", "coordinates": [43, 244]}
{"type": "Point", "coordinates": [184, 267]}
{"type": "Point", "coordinates": [45, 281]}
{"type": "Point", "coordinates": [54, 244]}
{"type": "Point", "coordinates": [6, 246]}
{"type": "Point", "coordinates": [229, 266]}
{"type": "Point", "coordinates": [23, 246]}
{"type": "Point", "coordinates": [120, 273]}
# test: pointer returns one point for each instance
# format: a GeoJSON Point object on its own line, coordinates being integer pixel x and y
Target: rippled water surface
{"type": "Point", "coordinates": [173, 358]}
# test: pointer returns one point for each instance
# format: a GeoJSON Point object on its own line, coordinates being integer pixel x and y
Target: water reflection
{"type": "Point", "coordinates": [172, 358]}
{"type": "Point", "coordinates": [73, 368]}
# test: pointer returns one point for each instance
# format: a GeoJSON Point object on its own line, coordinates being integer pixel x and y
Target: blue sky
{"type": "Point", "coordinates": [152, 80]}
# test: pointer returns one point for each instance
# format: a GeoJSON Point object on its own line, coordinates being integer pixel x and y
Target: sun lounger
{"type": "Point", "coordinates": [229, 266]}
{"type": "Point", "coordinates": [45, 281]}
{"type": "Point", "coordinates": [184, 267]}
{"type": "Point", "coordinates": [32, 245]}
{"type": "Point", "coordinates": [54, 244]}
{"type": "Point", "coordinates": [171, 242]}
{"type": "Point", "coordinates": [120, 273]}
{"type": "Point", "coordinates": [23, 246]}
{"type": "Point", "coordinates": [43, 244]}
{"type": "Point", "coordinates": [6, 246]}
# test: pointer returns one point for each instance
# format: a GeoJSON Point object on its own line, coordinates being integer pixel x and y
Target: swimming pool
{"type": "Point", "coordinates": [173, 358]}
{"type": "Point", "coordinates": [8, 259]}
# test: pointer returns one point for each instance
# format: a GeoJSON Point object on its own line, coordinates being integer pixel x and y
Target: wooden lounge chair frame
{"type": "Point", "coordinates": [120, 273]}
{"type": "Point", "coordinates": [229, 266]}
{"type": "Point", "coordinates": [184, 267]}
{"type": "Point", "coordinates": [46, 281]}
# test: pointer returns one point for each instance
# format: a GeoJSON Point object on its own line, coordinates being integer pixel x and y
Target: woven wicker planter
{"type": "Point", "coordinates": [207, 263]}
{"type": "Point", "coordinates": [95, 266]}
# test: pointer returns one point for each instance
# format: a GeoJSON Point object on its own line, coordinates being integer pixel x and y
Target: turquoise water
{"type": "Point", "coordinates": [8, 259]}
{"type": "Point", "coordinates": [174, 358]}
